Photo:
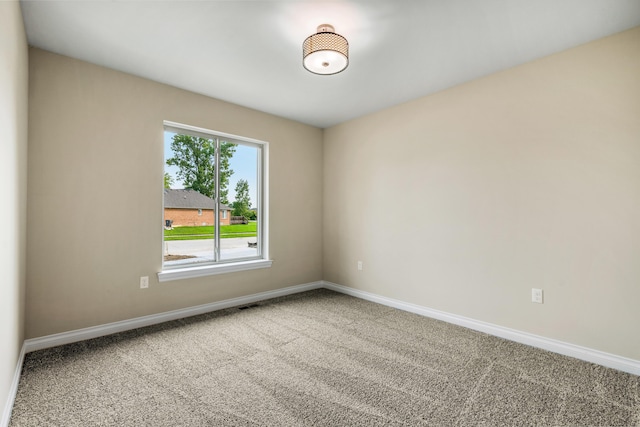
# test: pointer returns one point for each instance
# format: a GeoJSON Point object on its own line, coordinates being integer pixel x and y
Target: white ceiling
{"type": "Point", "coordinates": [250, 52]}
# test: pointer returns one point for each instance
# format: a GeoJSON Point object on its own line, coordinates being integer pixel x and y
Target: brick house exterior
{"type": "Point", "coordinates": [190, 208]}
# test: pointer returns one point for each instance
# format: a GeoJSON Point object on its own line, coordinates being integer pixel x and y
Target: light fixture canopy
{"type": "Point", "coordinates": [325, 52]}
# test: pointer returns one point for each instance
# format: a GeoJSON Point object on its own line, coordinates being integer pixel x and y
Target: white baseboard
{"type": "Point", "coordinates": [583, 353]}
{"type": "Point", "coordinates": [5, 417]}
{"type": "Point", "coordinates": [48, 341]}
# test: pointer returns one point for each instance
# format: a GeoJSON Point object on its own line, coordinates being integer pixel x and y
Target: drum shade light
{"type": "Point", "coordinates": [325, 52]}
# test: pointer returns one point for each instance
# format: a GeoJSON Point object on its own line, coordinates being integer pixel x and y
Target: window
{"type": "Point", "coordinates": [222, 179]}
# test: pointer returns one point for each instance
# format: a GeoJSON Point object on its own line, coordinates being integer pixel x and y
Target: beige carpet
{"type": "Point", "coordinates": [316, 359]}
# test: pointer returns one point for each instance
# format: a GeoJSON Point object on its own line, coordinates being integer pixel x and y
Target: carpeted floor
{"type": "Point", "coordinates": [318, 358]}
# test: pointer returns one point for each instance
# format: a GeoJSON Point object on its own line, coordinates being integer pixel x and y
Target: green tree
{"type": "Point", "coordinates": [242, 205]}
{"type": "Point", "coordinates": [168, 180]}
{"type": "Point", "coordinates": [195, 159]}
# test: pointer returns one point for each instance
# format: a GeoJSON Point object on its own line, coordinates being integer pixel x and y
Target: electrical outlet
{"type": "Point", "coordinates": [144, 282]}
{"type": "Point", "coordinates": [536, 295]}
{"type": "Point", "coordinates": [359, 265]}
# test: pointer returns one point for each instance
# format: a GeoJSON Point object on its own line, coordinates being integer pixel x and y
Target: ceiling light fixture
{"type": "Point", "coordinates": [325, 52]}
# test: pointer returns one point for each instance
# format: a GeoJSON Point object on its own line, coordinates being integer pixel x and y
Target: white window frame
{"type": "Point", "coordinates": [219, 266]}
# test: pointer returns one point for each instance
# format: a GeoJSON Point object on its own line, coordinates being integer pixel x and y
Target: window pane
{"type": "Point", "coordinates": [189, 203]}
{"type": "Point", "coordinates": [239, 233]}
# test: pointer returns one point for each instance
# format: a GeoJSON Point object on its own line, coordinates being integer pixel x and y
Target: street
{"type": "Point", "coordinates": [203, 249]}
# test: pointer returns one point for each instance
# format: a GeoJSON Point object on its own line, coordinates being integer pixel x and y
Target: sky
{"type": "Point", "coordinates": [243, 163]}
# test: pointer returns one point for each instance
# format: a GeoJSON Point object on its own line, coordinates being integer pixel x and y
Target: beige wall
{"type": "Point", "coordinates": [95, 141]}
{"type": "Point", "coordinates": [526, 178]}
{"type": "Point", "coordinates": [13, 176]}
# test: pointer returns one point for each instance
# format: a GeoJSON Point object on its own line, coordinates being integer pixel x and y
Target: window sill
{"type": "Point", "coordinates": [210, 270]}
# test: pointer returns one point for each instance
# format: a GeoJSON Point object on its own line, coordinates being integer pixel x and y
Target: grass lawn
{"type": "Point", "coordinates": [207, 232]}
